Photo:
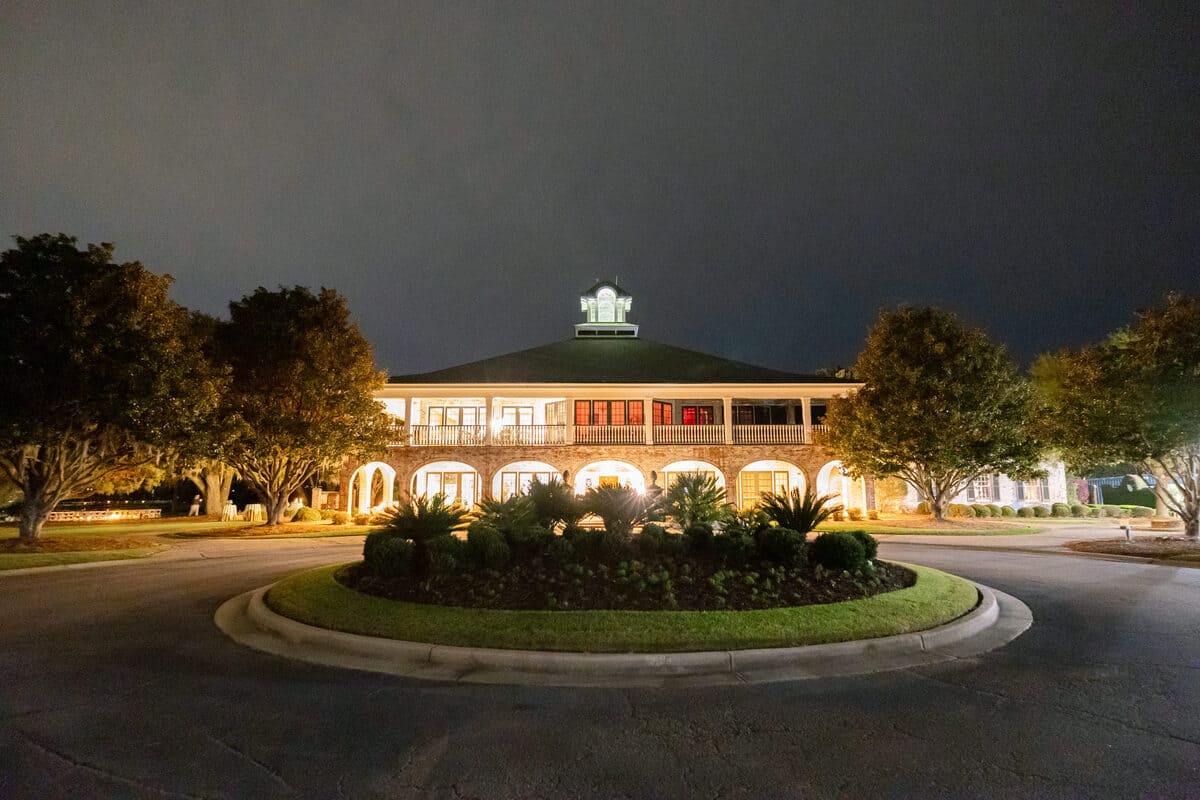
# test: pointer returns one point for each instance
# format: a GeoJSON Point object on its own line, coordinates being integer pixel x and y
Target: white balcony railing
{"type": "Point", "coordinates": [689, 434]}
{"type": "Point", "coordinates": [447, 435]}
{"type": "Point", "coordinates": [530, 435]}
{"type": "Point", "coordinates": [769, 434]}
{"type": "Point", "coordinates": [610, 434]}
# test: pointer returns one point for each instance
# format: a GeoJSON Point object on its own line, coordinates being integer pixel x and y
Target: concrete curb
{"type": "Point", "coordinates": [998, 619]}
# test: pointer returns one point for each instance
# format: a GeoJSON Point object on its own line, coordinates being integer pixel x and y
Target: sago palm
{"type": "Point", "coordinates": [798, 511]}
{"type": "Point", "coordinates": [421, 519]}
{"type": "Point", "coordinates": [694, 497]}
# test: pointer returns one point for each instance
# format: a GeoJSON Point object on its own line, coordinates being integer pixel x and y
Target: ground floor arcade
{"type": "Point", "coordinates": [469, 475]}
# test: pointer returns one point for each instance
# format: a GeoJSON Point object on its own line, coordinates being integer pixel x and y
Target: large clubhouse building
{"type": "Point", "coordinates": [607, 407]}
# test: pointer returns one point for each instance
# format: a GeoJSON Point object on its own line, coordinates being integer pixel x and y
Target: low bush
{"type": "Point", "coordinates": [734, 549]}
{"type": "Point", "coordinates": [486, 546]}
{"type": "Point", "coordinates": [872, 514]}
{"type": "Point", "coordinates": [601, 545]}
{"type": "Point", "coordinates": [306, 514]}
{"type": "Point", "coordinates": [571, 530]}
{"type": "Point", "coordinates": [362, 519]}
{"type": "Point", "coordinates": [327, 513]}
{"type": "Point", "coordinates": [698, 537]}
{"type": "Point", "coordinates": [1113, 511]}
{"type": "Point", "coordinates": [340, 518]}
{"type": "Point", "coordinates": [655, 540]}
{"type": "Point", "coordinates": [1025, 511]}
{"type": "Point", "coordinates": [961, 510]}
{"type": "Point", "coordinates": [1079, 510]}
{"type": "Point", "coordinates": [528, 538]}
{"type": "Point", "coordinates": [388, 555]}
{"type": "Point", "coordinates": [1041, 511]}
{"type": "Point", "coordinates": [1060, 510]}
{"type": "Point", "coordinates": [1095, 511]}
{"type": "Point", "coordinates": [447, 553]}
{"type": "Point", "coordinates": [870, 544]}
{"type": "Point", "coordinates": [1007, 511]}
{"type": "Point", "coordinates": [854, 515]}
{"type": "Point", "coordinates": [782, 545]}
{"type": "Point", "coordinates": [981, 509]}
{"type": "Point", "coordinates": [1141, 512]}
{"type": "Point", "coordinates": [560, 551]}
{"type": "Point", "coordinates": [837, 551]}
{"type": "Point", "coordinates": [923, 508]}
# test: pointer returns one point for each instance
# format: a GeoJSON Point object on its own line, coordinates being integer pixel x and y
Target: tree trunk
{"type": "Point", "coordinates": [217, 483]}
{"type": "Point", "coordinates": [275, 509]}
{"type": "Point", "coordinates": [34, 512]}
{"type": "Point", "coordinates": [938, 508]}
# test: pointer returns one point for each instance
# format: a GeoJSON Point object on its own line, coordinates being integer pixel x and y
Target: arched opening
{"type": "Point", "coordinates": [514, 479]}
{"type": "Point", "coordinates": [832, 479]}
{"type": "Point", "coordinates": [372, 488]}
{"type": "Point", "coordinates": [609, 473]}
{"type": "Point", "coordinates": [606, 305]}
{"type": "Point", "coordinates": [459, 482]}
{"type": "Point", "coordinates": [768, 475]}
{"type": "Point", "coordinates": [668, 474]}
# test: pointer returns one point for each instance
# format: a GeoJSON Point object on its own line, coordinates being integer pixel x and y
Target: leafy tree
{"type": "Point", "coordinates": [98, 380]}
{"type": "Point", "coordinates": [941, 406]}
{"type": "Point", "coordinates": [422, 519]}
{"type": "Point", "coordinates": [203, 457]}
{"type": "Point", "coordinates": [621, 507]}
{"type": "Point", "coordinates": [694, 497]}
{"type": "Point", "coordinates": [1134, 397]}
{"type": "Point", "coordinates": [801, 512]}
{"type": "Point", "coordinates": [302, 378]}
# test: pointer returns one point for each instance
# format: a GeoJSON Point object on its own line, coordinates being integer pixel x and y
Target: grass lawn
{"type": "Point", "coordinates": [53, 559]}
{"type": "Point", "coordinates": [1170, 548]}
{"type": "Point", "coordinates": [288, 530]}
{"type": "Point", "coordinates": [927, 526]}
{"type": "Point", "coordinates": [148, 527]}
{"type": "Point", "coordinates": [316, 598]}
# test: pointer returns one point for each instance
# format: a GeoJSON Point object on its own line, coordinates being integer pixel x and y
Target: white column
{"type": "Point", "coordinates": [727, 410]}
{"type": "Point", "coordinates": [648, 418]}
{"type": "Point", "coordinates": [570, 439]}
{"type": "Point", "coordinates": [491, 420]}
{"type": "Point", "coordinates": [806, 418]}
{"type": "Point", "coordinates": [410, 418]}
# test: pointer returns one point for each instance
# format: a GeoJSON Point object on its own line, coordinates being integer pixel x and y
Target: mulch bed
{"type": "Point", "coordinates": [74, 544]}
{"type": "Point", "coordinates": [1166, 547]}
{"type": "Point", "coordinates": [653, 584]}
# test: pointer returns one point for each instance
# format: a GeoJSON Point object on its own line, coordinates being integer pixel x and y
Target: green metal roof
{"type": "Point", "coordinates": [609, 360]}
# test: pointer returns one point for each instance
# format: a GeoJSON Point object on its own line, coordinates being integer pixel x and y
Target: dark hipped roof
{"type": "Point", "coordinates": [602, 283]}
{"type": "Point", "coordinates": [609, 360]}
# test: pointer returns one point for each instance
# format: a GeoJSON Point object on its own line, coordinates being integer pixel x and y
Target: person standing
{"type": "Point", "coordinates": [194, 511]}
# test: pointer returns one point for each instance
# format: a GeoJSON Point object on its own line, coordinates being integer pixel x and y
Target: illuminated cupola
{"type": "Point", "coordinates": [605, 304]}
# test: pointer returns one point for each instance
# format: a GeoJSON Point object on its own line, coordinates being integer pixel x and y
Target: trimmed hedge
{"type": "Point", "coordinates": [306, 514]}
{"type": "Point", "coordinates": [1060, 510]}
{"type": "Point", "coordinates": [838, 551]}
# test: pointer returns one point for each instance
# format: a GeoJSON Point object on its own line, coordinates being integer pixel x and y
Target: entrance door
{"type": "Point", "coordinates": [609, 480]}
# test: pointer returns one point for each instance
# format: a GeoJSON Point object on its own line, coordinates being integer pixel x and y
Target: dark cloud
{"type": "Point", "coordinates": [762, 177]}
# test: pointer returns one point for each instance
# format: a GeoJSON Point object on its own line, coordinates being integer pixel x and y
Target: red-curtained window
{"type": "Point", "coordinates": [635, 413]}
{"type": "Point", "coordinates": [599, 412]}
{"type": "Point", "coordinates": [583, 412]}
{"type": "Point", "coordinates": [660, 413]}
{"type": "Point", "coordinates": [698, 415]}
{"type": "Point", "coordinates": [616, 414]}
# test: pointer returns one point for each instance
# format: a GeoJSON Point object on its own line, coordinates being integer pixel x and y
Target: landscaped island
{"type": "Point", "coordinates": [514, 581]}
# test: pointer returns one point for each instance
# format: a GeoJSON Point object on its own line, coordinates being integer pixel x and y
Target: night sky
{"type": "Point", "coordinates": [763, 178]}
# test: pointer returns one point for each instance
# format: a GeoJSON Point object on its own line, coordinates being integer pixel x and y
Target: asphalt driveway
{"type": "Point", "coordinates": [117, 684]}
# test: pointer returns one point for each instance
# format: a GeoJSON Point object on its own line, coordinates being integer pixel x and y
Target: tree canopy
{"type": "Point", "coordinates": [1134, 397]}
{"type": "Point", "coordinates": [302, 382]}
{"type": "Point", "coordinates": [942, 405]}
{"type": "Point", "coordinates": [97, 372]}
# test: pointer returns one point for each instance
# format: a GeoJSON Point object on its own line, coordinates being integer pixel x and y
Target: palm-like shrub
{"type": "Point", "coordinates": [694, 498]}
{"type": "Point", "coordinates": [508, 515]}
{"type": "Point", "coordinates": [620, 507]}
{"type": "Point", "coordinates": [554, 502]}
{"type": "Point", "coordinates": [421, 519]}
{"type": "Point", "coordinates": [798, 511]}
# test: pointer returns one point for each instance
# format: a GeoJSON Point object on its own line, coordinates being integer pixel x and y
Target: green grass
{"type": "Point", "coordinates": [109, 529]}
{"type": "Point", "coordinates": [323, 532]}
{"type": "Point", "coordinates": [26, 560]}
{"type": "Point", "coordinates": [874, 527]}
{"type": "Point", "coordinates": [316, 598]}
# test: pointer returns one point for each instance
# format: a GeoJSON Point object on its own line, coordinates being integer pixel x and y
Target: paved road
{"type": "Point", "coordinates": [116, 684]}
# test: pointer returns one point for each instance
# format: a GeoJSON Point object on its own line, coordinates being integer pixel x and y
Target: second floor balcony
{"type": "Point", "coordinates": [546, 435]}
